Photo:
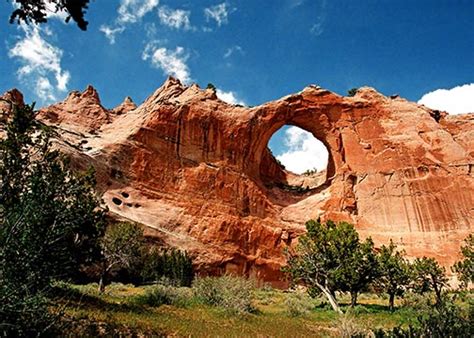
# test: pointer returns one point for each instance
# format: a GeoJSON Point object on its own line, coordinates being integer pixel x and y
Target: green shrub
{"type": "Point", "coordinates": [234, 294]}
{"type": "Point", "coordinates": [165, 295]}
{"type": "Point", "coordinates": [298, 304]}
{"type": "Point", "coordinates": [351, 92]}
{"type": "Point", "coordinates": [24, 315]}
{"type": "Point", "coordinates": [446, 319]}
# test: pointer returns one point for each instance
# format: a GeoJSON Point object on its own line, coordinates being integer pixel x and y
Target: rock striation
{"type": "Point", "coordinates": [198, 173]}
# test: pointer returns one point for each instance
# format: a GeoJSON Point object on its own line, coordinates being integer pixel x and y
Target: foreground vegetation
{"type": "Point", "coordinates": [125, 309]}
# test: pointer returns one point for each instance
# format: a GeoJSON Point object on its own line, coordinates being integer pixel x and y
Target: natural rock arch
{"type": "Point", "coordinates": [192, 168]}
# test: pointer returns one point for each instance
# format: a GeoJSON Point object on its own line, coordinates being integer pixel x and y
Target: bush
{"type": "Point", "coordinates": [351, 92]}
{"type": "Point", "coordinates": [348, 328]}
{"type": "Point", "coordinates": [158, 295]}
{"type": "Point", "coordinates": [24, 315]}
{"type": "Point", "coordinates": [444, 320]}
{"type": "Point", "coordinates": [298, 304]}
{"type": "Point", "coordinates": [231, 293]}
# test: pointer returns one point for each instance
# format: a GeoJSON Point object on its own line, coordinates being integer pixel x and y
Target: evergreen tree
{"type": "Point", "coordinates": [330, 257]}
{"type": "Point", "coordinates": [428, 275]}
{"type": "Point", "coordinates": [465, 267]}
{"type": "Point", "coordinates": [359, 268]}
{"type": "Point", "coordinates": [50, 220]}
{"type": "Point", "coordinates": [394, 277]}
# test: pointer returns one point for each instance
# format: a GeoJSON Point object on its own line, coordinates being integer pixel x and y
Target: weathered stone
{"type": "Point", "coordinates": [197, 171]}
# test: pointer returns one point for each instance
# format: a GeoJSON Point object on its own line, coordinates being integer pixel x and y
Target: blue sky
{"type": "Point", "coordinates": [252, 51]}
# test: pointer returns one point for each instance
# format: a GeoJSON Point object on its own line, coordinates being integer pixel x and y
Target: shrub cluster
{"type": "Point", "coordinates": [231, 293]}
{"type": "Point", "coordinates": [157, 295]}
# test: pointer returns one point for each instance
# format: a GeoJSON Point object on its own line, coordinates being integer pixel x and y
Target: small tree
{"type": "Point", "coordinates": [351, 92]}
{"type": "Point", "coordinates": [211, 86]}
{"type": "Point", "coordinates": [394, 275]}
{"type": "Point", "coordinates": [122, 246]}
{"type": "Point", "coordinates": [465, 267]}
{"type": "Point", "coordinates": [330, 257]}
{"type": "Point", "coordinates": [359, 269]}
{"type": "Point", "coordinates": [429, 275]}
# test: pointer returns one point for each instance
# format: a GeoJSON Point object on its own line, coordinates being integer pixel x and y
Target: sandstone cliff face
{"type": "Point", "coordinates": [197, 171]}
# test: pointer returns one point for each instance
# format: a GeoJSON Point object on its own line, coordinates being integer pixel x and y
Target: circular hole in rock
{"type": "Point", "coordinates": [117, 201]}
{"type": "Point", "coordinates": [295, 160]}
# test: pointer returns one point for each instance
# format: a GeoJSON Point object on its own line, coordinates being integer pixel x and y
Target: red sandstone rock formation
{"type": "Point", "coordinates": [197, 171]}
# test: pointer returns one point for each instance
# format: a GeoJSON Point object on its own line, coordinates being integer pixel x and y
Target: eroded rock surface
{"type": "Point", "coordinates": [197, 171]}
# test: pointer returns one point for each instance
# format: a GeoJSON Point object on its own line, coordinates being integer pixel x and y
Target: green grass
{"type": "Point", "coordinates": [117, 312]}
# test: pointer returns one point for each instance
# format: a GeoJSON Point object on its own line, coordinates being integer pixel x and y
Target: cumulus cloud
{"type": "Point", "coordinates": [171, 62]}
{"type": "Point", "coordinates": [218, 13]}
{"type": "Point", "coordinates": [175, 18]}
{"type": "Point", "coordinates": [229, 97]}
{"type": "Point", "coordinates": [228, 53]}
{"type": "Point", "coordinates": [304, 152]}
{"type": "Point", "coordinates": [129, 12]}
{"type": "Point", "coordinates": [457, 100]}
{"type": "Point", "coordinates": [41, 64]}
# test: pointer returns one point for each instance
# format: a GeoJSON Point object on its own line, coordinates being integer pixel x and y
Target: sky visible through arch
{"type": "Point", "coordinates": [252, 51]}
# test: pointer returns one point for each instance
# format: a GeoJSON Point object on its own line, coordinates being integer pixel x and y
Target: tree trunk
{"type": "Point", "coordinates": [437, 291]}
{"type": "Point", "coordinates": [330, 298]}
{"type": "Point", "coordinates": [102, 283]}
{"type": "Point", "coordinates": [353, 298]}
{"type": "Point", "coordinates": [391, 301]}
{"type": "Point", "coordinates": [103, 277]}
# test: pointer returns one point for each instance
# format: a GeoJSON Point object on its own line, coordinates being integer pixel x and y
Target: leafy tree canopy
{"type": "Point", "coordinates": [50, 219]}
{"type": "Point", "coordinates": [394, 272]}
{"type": "Point", "coordinates": [330, 258]}
{"type": "Point", "coordinates": [122, 246]}
{"type": "Point", "coordinates": [429, 275]}
{"type": "Point", "coordinates": [36, 11]}
{"type": "Point", "coordinates": [465, 267]}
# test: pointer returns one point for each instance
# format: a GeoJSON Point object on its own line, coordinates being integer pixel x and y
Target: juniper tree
{"type": "Point", "coordinates": [330, 258]}
{"type": "Point", "coordinates": [394, 275]}
{"type": "Point", "coordinates": [428, 275]}
{"type": "Point", "coordinates": [465, 267]}
{"type": "Point", "coordinates": [50, 218]}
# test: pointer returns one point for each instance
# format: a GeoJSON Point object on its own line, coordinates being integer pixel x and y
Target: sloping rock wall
{"type": "Point", "coordinates": [197, 171]}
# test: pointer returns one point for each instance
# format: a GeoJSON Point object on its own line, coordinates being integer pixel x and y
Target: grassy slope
{"type": "Point", "coordinates": [116, 310]}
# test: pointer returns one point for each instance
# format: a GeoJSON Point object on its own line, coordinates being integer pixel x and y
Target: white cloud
{"type": "Point", "coordinates": [171, 62]}
{"type": "Point", "coordinates": [457, 100]}
{"type": "Point", "coordinates": [132, 11]}
{"type": "Point", "coordinates": [305, 152]}
{"type": "Point", "coordinates": [229, 97]}
{"type": "Point", "coordinates": [129, 12]}
{"type": "Point", "coordinates": [110, 32]}
{"type": "Point", "coordinates": [233, 50]}
{"type": "Point", "coordinates": [175, 18]}
{"type": "Point", "coordinates": [41, 64]}
{"type": "Point", "coordinates": [219, 13]}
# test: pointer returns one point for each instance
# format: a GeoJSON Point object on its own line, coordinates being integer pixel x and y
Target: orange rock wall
{"type": "Point", "coordinates": [197, 171]}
